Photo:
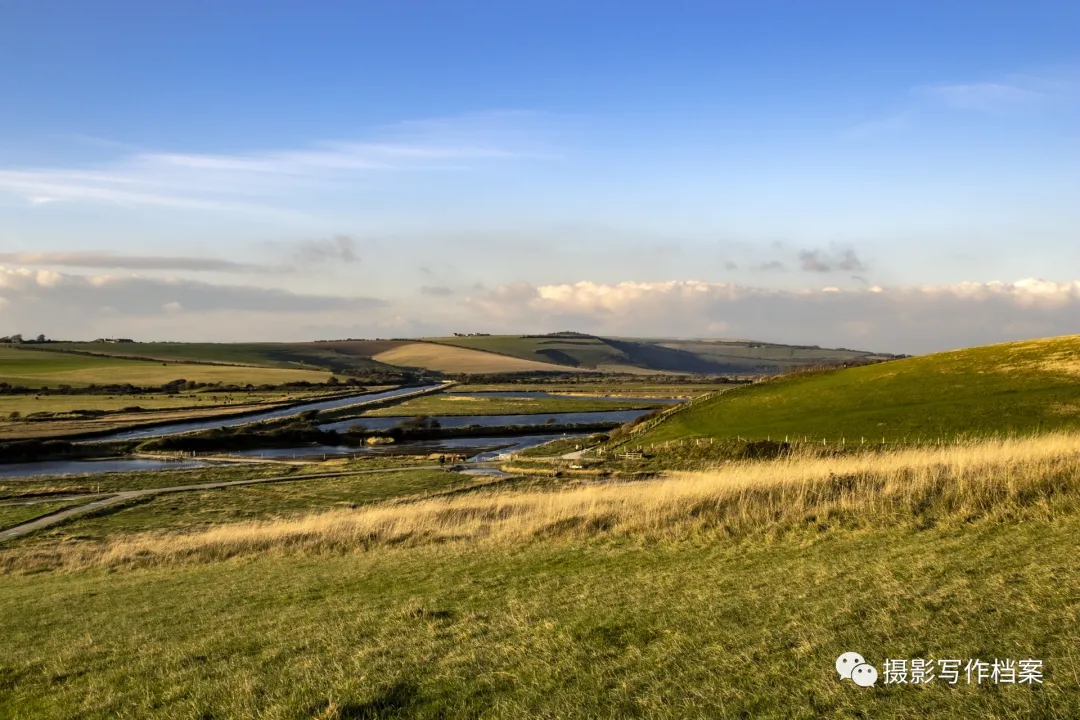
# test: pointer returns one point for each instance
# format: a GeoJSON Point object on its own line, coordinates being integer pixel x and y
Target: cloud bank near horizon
{"type": "Point", "coordinates": [910, 319]}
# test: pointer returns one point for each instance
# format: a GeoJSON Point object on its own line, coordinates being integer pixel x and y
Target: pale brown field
{"type": "Point", "coordinates": [922, 487]}
{"type": "Point", "coordinates": [445, 358]}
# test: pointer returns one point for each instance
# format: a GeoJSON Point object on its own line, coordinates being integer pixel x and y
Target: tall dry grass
{"type": "Point", "coordinates": [1010, 478]}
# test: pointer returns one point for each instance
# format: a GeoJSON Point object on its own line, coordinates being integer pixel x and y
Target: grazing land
{"type": "Point", "coordinates": [203, 509]}
{"type": "Point", "coordinates": [457, 404]}
{"type": "Point", "coordinates": [644, 388]}
{"type": "Point", "coordinates": [335, 357]}
{"type": "Point", "coordinates": [60, 404]}
{"type": "Point", "coordinates": [719, 593]}
{"type": "Point", "coordinates": [54, 416]}
{"type": "Point", "coordinates": [1024, 387]}
{"type": "Point", "coordinates": [45, 368]}
{"type": "Point", "coordinates": [453, 360]}
{"type": "Point", "coordinates": [12, 514]}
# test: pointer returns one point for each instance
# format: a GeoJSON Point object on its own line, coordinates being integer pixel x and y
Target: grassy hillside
{"type": "Point", "coordinates": [486, 354]}
{"type": "Point", "coordinates": [677, 356]}
{"type": "Point", "coordinates": [41, 368]}
{"type": "Point", "coordinates": [448, 359]}
{"type": "Point", "coordinates": [336, 357]}
{"type": "Point", "coordinates": [722, 594]}
{"type": "Point", "coordinates": [1015, 387]}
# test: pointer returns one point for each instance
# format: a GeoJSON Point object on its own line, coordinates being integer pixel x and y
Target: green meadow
{"type": "Point", "coordinates": [703, 628]}
{"type": "Point", "coordinates": [1011, 388]}
{"type": "Point", "coordinates": [43, 368]}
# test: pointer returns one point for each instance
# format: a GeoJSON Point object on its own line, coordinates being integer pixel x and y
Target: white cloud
{"type": "Point", "coordinates": [902, 319]}
{"type": "Point", "coordinates": [910, 319]}
{"type": "Point", "coordinates": [74, 306]}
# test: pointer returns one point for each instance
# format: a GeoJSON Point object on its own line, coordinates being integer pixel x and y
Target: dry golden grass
{"type": "Point", "coordinates": [1001, 478]}
{"type": "Point", "coordinates": [449, 359]}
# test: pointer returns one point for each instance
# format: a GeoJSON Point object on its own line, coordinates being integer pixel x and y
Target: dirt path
{"type": "Point", "coordinates": [125, 495]}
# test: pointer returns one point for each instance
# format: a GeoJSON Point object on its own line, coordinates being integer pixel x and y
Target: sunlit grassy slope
{"type": "Point", "coordinates": [1014, 387]}
{"type": "Point", "coordinates": [726, 593]}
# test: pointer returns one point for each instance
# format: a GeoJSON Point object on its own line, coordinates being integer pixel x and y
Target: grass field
{"type": "Point", "coordinates": [451, 404]}
{"type": "Point", "coordinates": [155, 409]}
{"type": "Point", "coordinates": [1016, 387]}
{"type": "Point", "coordinates": [12, 514]}
{"type": "Point", "coordinates": [200, 510]}
{"type": "Point", "coordinates": [27, 404]}
{"type": "Point", "coordinates": [336, 357]}
{"type": "Point", "coordinates": [722, 593]}
{"type": "Point", "coordinates": [447, 359]}
{"type": "Point", "coordinates": [43, 487]}
{"type": "Point", "coordinates": [39, 368]}
{"type": "Point", "coordinates": [638, 389]}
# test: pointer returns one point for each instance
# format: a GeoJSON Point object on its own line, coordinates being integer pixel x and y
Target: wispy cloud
{"type": "Point", "coordinates": [984, 96]}
{"type": "Point", "coordinates": [255, 181]}
{"type": "Point", "coordinates": [61, 295]}
{"type": "Point", "coordinates": [436, 291]}
{"type": "Point", "coordinates": [109, 261]}
{"type": "Point", "coordinates": [1009, 94]}
{"type": "Point", "coordinates": [340, 248]}
{"type": "Point", "coordinates": [819, 261]}
{"type": "Point", "coordinates": [877, 127]}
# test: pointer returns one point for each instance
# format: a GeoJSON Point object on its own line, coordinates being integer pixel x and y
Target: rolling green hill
{"type": "Point", "coordinates": [488, 354]}
{"type": "Point", "coordinates": [45, 368]}
{"type": "Point", "coordinates": [342, 356]}
{"type": "Point", "coordinates": [678, 356]}
{"type": "Point", "coordinates": [1014, 387]}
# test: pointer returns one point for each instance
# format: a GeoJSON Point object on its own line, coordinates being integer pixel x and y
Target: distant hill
{"type": "Point", "coordinates": [590, 352]}
{"type": "Point", "coordinates": [343, 357]}
{"type": "Point", "coordinates": [1014, 387]}
{"type": "Point", "coordinates": [490, 354]}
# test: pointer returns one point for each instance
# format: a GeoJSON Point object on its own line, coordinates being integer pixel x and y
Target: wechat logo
{"type": "Point", "coordinates": [853, 666]}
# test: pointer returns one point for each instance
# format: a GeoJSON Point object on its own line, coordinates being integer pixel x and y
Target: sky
{"type": "Point", "coordinates": [892, 176]}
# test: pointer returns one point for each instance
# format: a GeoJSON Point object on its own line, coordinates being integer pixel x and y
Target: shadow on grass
{"type": "Point", "coordinates": [397, 700]}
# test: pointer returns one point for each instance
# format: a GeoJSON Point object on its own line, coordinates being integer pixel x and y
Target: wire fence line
{"type": "Point", "coordinates": [648, 425]}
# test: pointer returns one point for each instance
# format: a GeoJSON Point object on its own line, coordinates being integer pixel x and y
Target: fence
{"type": "Point", "coordinates": [681, 407]}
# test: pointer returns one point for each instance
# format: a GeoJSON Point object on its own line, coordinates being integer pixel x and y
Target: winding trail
{"type": "Point", "coordinates": [126, 495]}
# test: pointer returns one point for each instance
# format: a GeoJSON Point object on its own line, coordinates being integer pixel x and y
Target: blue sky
{"type": "Point", "coordinates": [633, 168]}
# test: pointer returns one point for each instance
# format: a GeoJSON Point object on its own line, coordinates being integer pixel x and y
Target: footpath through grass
{"type": "Point", "coordinates": [205, 509]}
{"type": "Point", "coordinates": [688, 629]}
{"type": "Point", "coordinates": [995, 390]}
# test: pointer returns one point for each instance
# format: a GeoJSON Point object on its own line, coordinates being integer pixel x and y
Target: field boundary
{"type": "Point", "coordinates": [648, 425]}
